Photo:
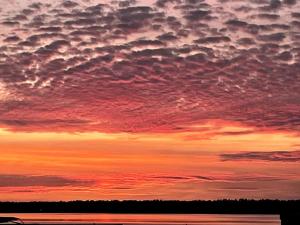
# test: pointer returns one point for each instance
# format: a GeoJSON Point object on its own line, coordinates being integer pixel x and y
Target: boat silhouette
{"type": "Point", "coordinates": [13, 220]}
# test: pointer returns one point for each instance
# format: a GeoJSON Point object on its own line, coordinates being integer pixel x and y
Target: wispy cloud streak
{"type": "Point", "coordinates": [273, 156]}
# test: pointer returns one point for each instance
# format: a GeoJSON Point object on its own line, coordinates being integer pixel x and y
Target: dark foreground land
{"type": "Point", "coordinates": [156, 206]}
{"type": "Point", "coordinates": [289, 211]}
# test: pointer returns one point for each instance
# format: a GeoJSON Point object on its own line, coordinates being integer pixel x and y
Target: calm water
{"type": "Point", "coordinates": [155, 219]}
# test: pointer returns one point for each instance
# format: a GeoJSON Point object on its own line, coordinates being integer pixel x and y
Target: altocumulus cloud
{"type": "Point", "coordinates": [132, 66]}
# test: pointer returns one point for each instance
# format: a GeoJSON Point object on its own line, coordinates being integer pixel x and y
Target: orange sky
{"type": "Point", "coordinates": [145, 166]}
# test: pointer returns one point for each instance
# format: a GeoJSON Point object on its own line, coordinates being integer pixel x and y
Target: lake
{"type": "Point", "coordinates": [155, 219]}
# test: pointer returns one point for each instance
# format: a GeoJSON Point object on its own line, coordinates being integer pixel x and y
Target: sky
{"type": "Point", "coordinates": [145, 99]}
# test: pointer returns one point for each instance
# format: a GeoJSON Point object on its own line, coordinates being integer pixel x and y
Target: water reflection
{"type": "Point", "coordinates": [155, 219]}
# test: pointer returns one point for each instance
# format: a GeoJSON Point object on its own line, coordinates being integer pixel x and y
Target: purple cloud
{"type": "Point", "coordinates": [15, 180]}
{"type": "Point", "coordinates": [135, 67]}
{"type": "Point", "coordinates": [274, 156]}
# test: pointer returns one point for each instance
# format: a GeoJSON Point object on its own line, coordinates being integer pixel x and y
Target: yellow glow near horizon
{"type": "Point", "coordinates": [264, 141]}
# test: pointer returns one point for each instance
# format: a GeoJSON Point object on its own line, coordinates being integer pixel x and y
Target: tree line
{"type": "Point", "coordinates": [241, 206]}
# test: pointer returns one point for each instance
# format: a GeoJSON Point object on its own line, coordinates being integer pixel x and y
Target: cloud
{"type": "Point", "coordinates": [171, 177]}
{"type": "Point", "coordinates": [50, 29]}
{"type": "Point", "coordinates": [221, 177]}
{"type": "Point", "coordinates": [36, 5]}
{"type": "Point", "coordinates": [163, 3]}
{"type": "Point", "coordinates": [272, 37]}
{"type": "Point", "coordinates": [237, 23]}
{"type": "Point", "coordinates": [235, 133]}
{"type": "Point", "coordinates": [138, 67]}
{"type": "Point", "coordinates": [295, 15]}
{"type": "Point", "coordinates": [274, 156]}
{"type": "Point", "coordinates": [167, 37]}
{"type": "Point", "coordinates": [12, 39]}
{"type": "Point", "coordinates": [290, 2]}
{"type": "Point", "coordinates": [285, 56]}
{"type": "Point", "coordinates": [194, 15]}
{"type": "Point", "coordinates": [69, 4]}
{"type": "Point", "coordinates": [10, 23]}
{"type": "Point", "coordinates": [15, 180]}
{"type": "Point", "coordinates": [208, 40]}
{"type": "Point", "coordinates": [268, 16]}
{"type": "Point", "coordinates": [246, 41]}
{"type": "Point", "coordinates": [145, 42]}
{"type": "Point", "coordinates": [25, 123]}
{"type": "Point", "coordinates": [204, 178]}
{"type": "Point", "coordinates": [273, 5]}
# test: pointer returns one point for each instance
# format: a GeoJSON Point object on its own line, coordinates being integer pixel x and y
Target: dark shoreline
{"type": "Point", "coordinates": [241, 206]}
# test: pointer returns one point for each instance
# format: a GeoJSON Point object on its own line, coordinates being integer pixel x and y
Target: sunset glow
{"type": "Point", "coordinates": [166, 99]}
